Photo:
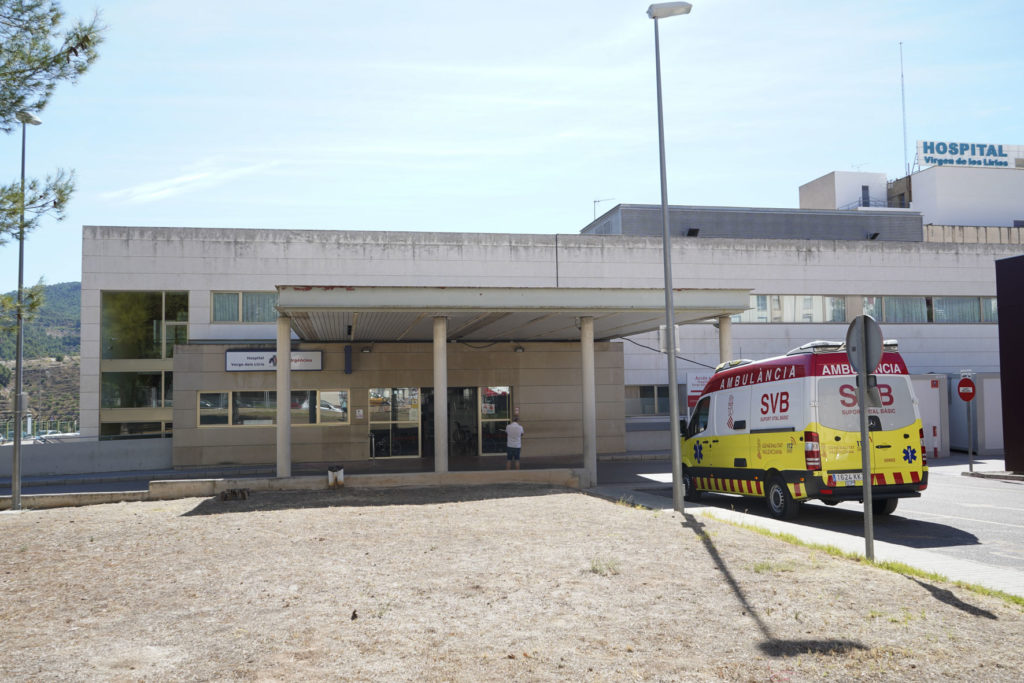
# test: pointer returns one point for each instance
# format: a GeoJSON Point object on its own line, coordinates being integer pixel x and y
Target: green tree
{"type": "Point", "coordinates": [36, 54]}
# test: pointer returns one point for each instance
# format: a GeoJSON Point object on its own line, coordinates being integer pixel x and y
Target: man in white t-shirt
{"type": "Point", "coordinates": [514, 431]}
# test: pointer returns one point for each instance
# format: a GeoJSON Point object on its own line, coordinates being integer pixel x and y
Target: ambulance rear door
{"type": "Point", "coordinates": [893, 429]}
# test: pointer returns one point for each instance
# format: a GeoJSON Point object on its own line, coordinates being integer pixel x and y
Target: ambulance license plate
{"type": "Point", "coordinates": [848, 478]}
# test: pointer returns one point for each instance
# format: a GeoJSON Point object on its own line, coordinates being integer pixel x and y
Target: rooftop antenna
{"type": "Point", "coordinates": [903, 98]}
{"type": "Point", "coordinates": [598, 201]}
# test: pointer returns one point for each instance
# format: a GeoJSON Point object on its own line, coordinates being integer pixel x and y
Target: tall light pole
{"type": "Point", "coordinates": [19, 399]}
{"type": "Point", "coordinates": [656, 12]}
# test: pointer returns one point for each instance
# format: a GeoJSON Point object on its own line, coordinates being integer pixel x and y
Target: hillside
{"type": "Point", "coordinates": [51, 370]}
{"type": "Point", "coordinates": [56, 329]}
{"type": "Point", "coordinates": [52, 388]}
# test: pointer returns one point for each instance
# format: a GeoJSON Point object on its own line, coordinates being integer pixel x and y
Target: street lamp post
{"type": "Point", "coordinates": [26, 119]}
{"type": "Point", "coordinates": [656, 12]}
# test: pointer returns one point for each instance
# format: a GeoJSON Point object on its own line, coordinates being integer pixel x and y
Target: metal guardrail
{"type": "Point", "coordinates": [871, 203]}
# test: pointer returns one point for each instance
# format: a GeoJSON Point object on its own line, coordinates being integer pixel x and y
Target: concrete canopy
{"type": "Point", "coordinates": [369, 314]}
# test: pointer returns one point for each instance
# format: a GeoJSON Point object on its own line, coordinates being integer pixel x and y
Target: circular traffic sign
{"type": "Point", "coordinates": [965, 389]}
{"type": "Point", "coordinates": [864, 344]}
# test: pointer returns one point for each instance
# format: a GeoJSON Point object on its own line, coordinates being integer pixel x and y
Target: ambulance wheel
{"type": "Point", "coordinates": [690, 490]}
{"type": "Point", "coordinates": [884, 506]}
{"type": "Point", "coordinates": [780, 503]}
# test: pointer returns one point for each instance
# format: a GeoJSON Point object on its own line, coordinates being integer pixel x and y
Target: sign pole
{"type": "Point", "coordinates": [865, 465]}
{"type": "Point", "coordinates": [864, 350]}
{"type": "Point", "coordinates": [966, 390]}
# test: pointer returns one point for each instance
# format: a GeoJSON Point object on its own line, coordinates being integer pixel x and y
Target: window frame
{"type": "Point", "coordinates": [240, 307]}
{"type": "Point", "coordinates": [232, 410]}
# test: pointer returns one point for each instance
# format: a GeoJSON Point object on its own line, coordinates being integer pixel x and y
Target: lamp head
{"type": "Point", "coordinates": [668, 9]}
{"type": "Point", "coordinates": [27, 117]}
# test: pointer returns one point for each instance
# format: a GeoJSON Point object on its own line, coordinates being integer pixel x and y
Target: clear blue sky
{"type": "Point", "coordinates": [497, 117]}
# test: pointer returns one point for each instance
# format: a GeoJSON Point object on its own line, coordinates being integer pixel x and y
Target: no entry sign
{"type": "Point", "coordinates": [965, 389]}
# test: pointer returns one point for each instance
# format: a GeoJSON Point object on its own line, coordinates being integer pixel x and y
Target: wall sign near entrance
{"type": "Point", "coordinates": [266, 361]}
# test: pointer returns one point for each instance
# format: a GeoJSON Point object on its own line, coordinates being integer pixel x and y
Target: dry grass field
{"type": "Point", "coordinates": [465, 584]}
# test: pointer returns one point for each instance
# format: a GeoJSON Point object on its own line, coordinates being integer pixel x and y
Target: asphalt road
{"type": "Point", "coordinates": [962, 517]}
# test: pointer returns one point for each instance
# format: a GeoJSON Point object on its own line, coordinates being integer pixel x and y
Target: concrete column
{"type": "Point", "coordinates": [589, 395]}
{"type": "Point", "coordinates": [440, 394]}
{"type": "Point", "coordinates": [724, 338]}
{"type": "Point", "coordinates": [284, 396]}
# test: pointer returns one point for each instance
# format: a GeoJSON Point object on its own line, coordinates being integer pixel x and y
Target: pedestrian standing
{"type": "Point", "coordinates": [514, 446]}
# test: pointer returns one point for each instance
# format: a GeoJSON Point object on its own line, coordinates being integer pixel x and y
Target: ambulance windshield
{"type": "Point", "coordinates": [837, 404]}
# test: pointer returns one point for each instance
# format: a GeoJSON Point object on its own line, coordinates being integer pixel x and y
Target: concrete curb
{"type": "Point", "coordinates": [1005, 476]}
{"type": "Point", "coordinates": [171, 489]}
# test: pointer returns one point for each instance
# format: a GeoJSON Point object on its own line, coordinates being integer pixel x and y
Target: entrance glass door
{"type": "Point", "coordinates": [463, 427]}
{"type": "Point", "coordinates": [463, 436]}
{"type": "Point", "coordinates": [476, 421]}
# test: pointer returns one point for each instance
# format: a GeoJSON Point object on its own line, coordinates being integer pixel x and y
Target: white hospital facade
{"type": "Point", "coordinates": [559, 328]}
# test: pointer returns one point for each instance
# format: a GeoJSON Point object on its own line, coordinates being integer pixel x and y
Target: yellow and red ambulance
{"type": "Point", "coordinates": [787, 429]}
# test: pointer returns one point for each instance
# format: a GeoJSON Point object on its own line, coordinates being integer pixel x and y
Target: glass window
{"type": "Point", "coordinates": [394, 421]}
{"type": "Point", "coordinates": [648, 400]}
{"type": "Point", "coordinates": [176, 334]}
{"type": "Point", "coordinates": [792, 308]}
{"type": "Point", "coordinates": [176, 307]}
{"type": "Point", "coordinates": [956, 309]}
{"type": "Point", "coordinates": [651, 400]}
{"type": "Point", "coordinates": [989, 313]}
{"type": "Point", "coordinates": [246, 307]}
{"type": "Point", "coordinates": [495, 413]}
{"type": "Point", "coordinates": [699, 421]}
{"type": "Point", "coordinates": [258, 307]}
{"type": "Point", "coordinates": [225, 307]}
{"type": "Point", "coordinates": [110, 431]}
{"type": "Point", "coordinates": [213, 408]}
{"type": "Point", "coordinates": [495, 403]}
{"type": "Point", "coordinates": [131, 390]}
{"type": "Point", "coordinates": [873, 307]}
{"type": "Point", "coordinates": [492, 436]}
{"type": "Point", "coordinates": [254, 407]}
{"type": "Point", "coordinates": [835, 309]}
{"type": "Point", "coordinates": [334, 407]}
{"type": "Point", "coordinates": [131, 324]}
{"type": "Point", "coordinates": [303, 407]}
{"type": "Point", "coordinates": [905, 309]}
{"type": "Point", "coordinates": [260, 407]}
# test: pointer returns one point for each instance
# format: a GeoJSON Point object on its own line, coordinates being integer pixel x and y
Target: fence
{"type": "Point", "coordinates": [33, 428]}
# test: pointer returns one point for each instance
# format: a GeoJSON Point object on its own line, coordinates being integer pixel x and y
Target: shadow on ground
{"type": "Point", "coordinates": [771, 646]}
{"type": "Point", "coordinates": [890, 529]}
{"type": "Point", "coordinates": [949, 598]}
{"type": "Point", "coordinates": [371, 497]}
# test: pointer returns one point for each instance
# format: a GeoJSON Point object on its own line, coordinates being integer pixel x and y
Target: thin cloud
{"type": "Point", "coordinates": [183, 184]}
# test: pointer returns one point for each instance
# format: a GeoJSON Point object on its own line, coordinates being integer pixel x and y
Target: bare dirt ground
{"type": "Point", "coordinates": [464, 584]}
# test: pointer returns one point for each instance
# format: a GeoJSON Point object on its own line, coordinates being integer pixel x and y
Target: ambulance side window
{"type": "Point", "coordinates": [699, 421]}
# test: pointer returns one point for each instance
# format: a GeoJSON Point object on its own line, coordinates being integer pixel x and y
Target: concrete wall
{"type": "Point", "coordinates": [852, 269]}
{"type": "Point", "coordinates": [840, 189]}
{"type": "Point", "coordinates": [949, 195]}
{"type": "Point", "coordinates": [756, 224]}
{"type": "Point", "coordinates": [545, 379]}
{"type": "Point", "coordinates": [973, 234]}
{"type": "Point", "coordinates": [85, 457]}
{"type": "Point", "coordinates": [201, 261]}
